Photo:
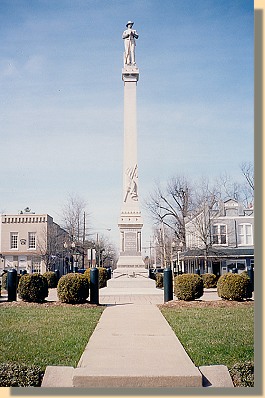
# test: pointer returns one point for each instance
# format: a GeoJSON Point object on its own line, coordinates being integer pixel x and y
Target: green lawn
{"type": "Point", "coordinates": [223, 335]}
{"type": "Point", "coordinates": [46, 335]}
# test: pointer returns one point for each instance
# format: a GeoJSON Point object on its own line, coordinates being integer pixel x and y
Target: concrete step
{"type": "Point", "coordinates": [62, 376]}
{"type": "Point", "coordinates": [96, 380]}
{"type": "Point", "coordinates": [216, 376]}
{"type": "Point", "coordinates": [134, 346]}
{"type": "Point", "coordinates": [58, 376]}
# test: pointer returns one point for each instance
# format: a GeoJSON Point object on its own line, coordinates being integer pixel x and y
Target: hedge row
{"type": "Point", "coordinates": [243, 374]}
{"type": "Point", "coordinates": [16, 375]}
{"type": "Point", "coordinates": [236, 287]}
{"type": "Point", "coordinates": [72, 288]}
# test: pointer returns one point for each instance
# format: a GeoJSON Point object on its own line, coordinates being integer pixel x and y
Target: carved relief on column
{"type": "Point", "coordinates": [131, 184]}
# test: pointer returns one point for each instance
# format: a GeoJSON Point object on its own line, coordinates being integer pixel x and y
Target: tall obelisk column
{"type": "Point", "coordinates": [130, 222]}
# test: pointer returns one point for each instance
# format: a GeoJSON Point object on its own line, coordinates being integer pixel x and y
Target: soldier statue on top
{"type": "Point", "coordinates": [129, 36]}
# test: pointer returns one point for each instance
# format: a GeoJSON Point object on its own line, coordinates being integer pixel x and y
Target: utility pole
{"type": "Point", "coordinates": [83, 241]}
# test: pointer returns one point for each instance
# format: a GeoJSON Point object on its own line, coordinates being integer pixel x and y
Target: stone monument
{"type": "Point", "coordinates": [130, 223]}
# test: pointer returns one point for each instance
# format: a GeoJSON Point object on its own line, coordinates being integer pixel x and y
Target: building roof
{"type": "Point", "coordinates": [218, 253]}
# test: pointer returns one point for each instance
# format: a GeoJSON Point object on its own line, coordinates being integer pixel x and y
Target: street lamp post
{"type": "Point", "coordinates": [71, 246]}
{"type": "Point", "coordinates": [180, 246]}
{"type": "Point", "coordinates": [96, 247]}
{"type": "Point", "coordinates": [173, 245]}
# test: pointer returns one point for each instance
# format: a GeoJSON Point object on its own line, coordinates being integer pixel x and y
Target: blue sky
{"type": "Point", "coordinates": [61, 99]}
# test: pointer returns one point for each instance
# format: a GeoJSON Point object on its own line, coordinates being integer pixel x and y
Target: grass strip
{"type": "Point", "coordinates": [214, 336]}
{"type": "Point", "coordinates": [46, 335]}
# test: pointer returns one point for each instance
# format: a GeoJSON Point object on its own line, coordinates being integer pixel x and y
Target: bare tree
{"type": "Point", "coordinates": [228, 189]}
{"type": "Point", "coordinates": [106, 252]}
{"type": "Point", "coordinates": [74, 218]}
{"type": "Point", "coordinates": [109, 252]}
{"type": "Point", "coordinates": [247, 170]}
{"type": "Point", "coordinates": [242, 192]}
{"type": "Point", "coordinates": [199, 223]}
{"type": "Point", "coordinates": [164, 236]}
{"type": "Point", "coordinates": [172, 205]}
{"type": "Point", "coordinates": [50, 243]}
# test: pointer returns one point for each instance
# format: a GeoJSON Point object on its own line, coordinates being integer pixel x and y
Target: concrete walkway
{"type": "Point", "coordinates": [134, 347]}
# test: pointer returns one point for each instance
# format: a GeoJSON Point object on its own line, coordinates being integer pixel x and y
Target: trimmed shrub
{"type": "Point", "coordinates": [18, 375]}
{"type": "Point", "coordinates": [51, 279]}
{"type": "Point", "coordinates": [33, 288]}
{"type": "Point", "coordinates": [232, 286]}
{"type": "Point", "coordinates": [159, 280]}
{"type": "Point", "coordinates": [249, 289]}
{"type": "Point", "coordinates": [18, 278]}
{"type": "Point", "coordinates": [188, 287]}
{"type": "Point", "coordinates": [4, 280]}
{"type": "Point", "coordinates": [73, 288]}
{"type": "Point", "coordinates": [242, 374]}
{"type": "Point", "coordinates": [102, 276]}
{"type": "Point", "coordinates": [209, 280]}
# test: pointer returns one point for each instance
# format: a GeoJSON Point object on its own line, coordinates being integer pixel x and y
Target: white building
{"type": "Point", "coordinates": [222, 242]}
{"type": "Point", "coordinates": [28, 240]}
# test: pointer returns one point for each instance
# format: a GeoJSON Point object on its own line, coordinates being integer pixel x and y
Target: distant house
{"type": "Point", "coordinates": [223, 243]}
{"type": "Point", "coordinates": [28, 241]}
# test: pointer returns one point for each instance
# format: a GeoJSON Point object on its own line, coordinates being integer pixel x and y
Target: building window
{"type": "Point", "coordinates": [240, 265]}
{"type": "Point", "coordinates": [32, 240]}
{"type": "Point", "coordinates": [14, 240]}
{"type": "Point", "coordinates": [245, 236]}
{"type": "Point", "coordinates": [219, 235]}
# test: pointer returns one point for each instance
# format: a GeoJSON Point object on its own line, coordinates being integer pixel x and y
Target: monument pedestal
{"type": "Point", "coordinates": [130, 260]}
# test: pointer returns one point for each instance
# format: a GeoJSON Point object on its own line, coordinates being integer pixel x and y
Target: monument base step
{"type": "Point", "coordinates": [133, 291]}
{"type": "Point", "coordinates": [130, 262]}
{"type": "Point", "coordinates": [132, 272]}
{"type": "Point", "coordinates": [128, 282]}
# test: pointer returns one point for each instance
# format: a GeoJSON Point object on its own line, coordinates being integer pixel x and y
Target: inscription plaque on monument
{"type": "Point", "coordinates": [130, 242]}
